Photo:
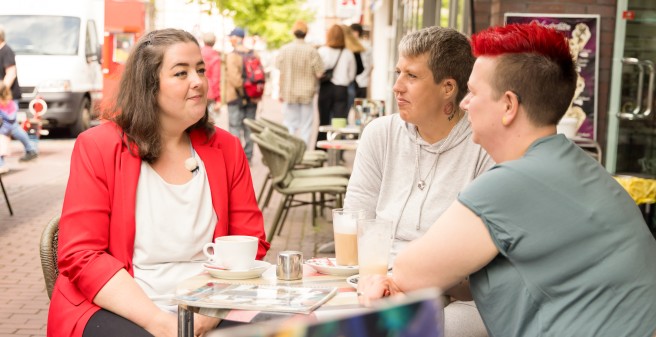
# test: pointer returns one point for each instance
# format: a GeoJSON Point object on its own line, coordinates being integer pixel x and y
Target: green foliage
{"type": "Point", "coordinates": [270, 19]}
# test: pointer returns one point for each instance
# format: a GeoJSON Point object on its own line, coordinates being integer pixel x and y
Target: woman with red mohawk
{"type": "Point", "coordinates": [551, 243]}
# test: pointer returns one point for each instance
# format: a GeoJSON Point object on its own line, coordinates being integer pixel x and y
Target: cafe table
{"type": "Point", "coordinates": [333, 133]}
{"type": "Point", "coordinates": [335, 146]}
{"type": "Point", "coordinates": [344, 302]}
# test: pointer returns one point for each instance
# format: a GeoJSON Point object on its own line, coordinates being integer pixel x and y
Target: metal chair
{"type": "Point", "coordinates": [308, 155]}
{"type": "Point", "coordinates": [299, 167]}
{"type": "Point", "coordinates": [48, 253]}
{"type": "Point", "coordinates": [276, 153]}
{"type": "Point", "coordinates": [4, 192]}
{"type": "Point", "coordinates": [591, 147]}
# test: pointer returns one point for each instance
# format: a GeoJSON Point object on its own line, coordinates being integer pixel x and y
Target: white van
{"type": "Point", "coordinates": [58, 55]}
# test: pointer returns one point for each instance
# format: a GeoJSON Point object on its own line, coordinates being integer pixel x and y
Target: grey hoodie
{"type": "Point", "coordinates": [384, 179]}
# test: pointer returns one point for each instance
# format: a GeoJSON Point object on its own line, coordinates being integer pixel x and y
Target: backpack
{"type": "Point", "coordinates": [253, 74]}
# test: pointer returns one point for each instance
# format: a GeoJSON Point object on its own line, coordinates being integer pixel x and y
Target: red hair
{"type": "Point", "coordinates": [532, 60]}
{"type": "Point", "coordinates": [522, 38]}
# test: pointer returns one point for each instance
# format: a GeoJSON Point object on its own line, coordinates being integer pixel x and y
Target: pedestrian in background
{"type": "Point", "coordinates": [333, 93]}
{"type": "Point", "coordinates": [147, 190]}
{"type": "Point", "coordinates": [362, 79]}
{"type": "Point", "coordinates": [8, 74]}
{"type": "Point", "coordinates": [212, 60]}
{"type": "Point", "coordinates": [240, 106]}
{"type": "Point", "coordinates": [300, 67]}
{"type": "Point", "coordinates": [353, 44]}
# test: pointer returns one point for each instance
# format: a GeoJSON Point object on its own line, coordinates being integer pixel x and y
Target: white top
{"type": "Point", "coordinates": [173, 223]}
{"type": "Point", "coordinates": [344, 72]}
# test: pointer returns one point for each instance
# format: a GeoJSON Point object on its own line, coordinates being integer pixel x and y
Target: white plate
{"type": "Point", "coordinates": [329, 266]}
{"type": "Point", "coordinates": [256, 270]}
{"type": "Point", "coordinates": [353, 281]}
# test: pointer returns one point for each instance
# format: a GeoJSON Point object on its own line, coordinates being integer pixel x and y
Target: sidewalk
{"type": "Point", "coordinates": [36, 191]}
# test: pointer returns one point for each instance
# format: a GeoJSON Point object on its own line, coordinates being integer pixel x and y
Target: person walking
{"type": "Point", "coordinates": [362, 79]}
{"type": "Point", "coordinates": [240, 106]}
{"type": "Point", "coordinates": [8, 74]}
{"type": "Point", "coordinates": [300, 67]}
{"type": "Point", "coordinates": [212, 61]}
{"type": "Point", "coordinates": [353, 44]}
{"type": "Point", "coordinates": [333, 92]}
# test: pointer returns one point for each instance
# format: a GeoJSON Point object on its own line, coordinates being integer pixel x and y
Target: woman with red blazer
{"type": "Point", "coordinates": [161, 140]}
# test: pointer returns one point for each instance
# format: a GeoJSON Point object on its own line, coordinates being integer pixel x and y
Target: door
{"type": "Point", "coordinates": [631, 145]}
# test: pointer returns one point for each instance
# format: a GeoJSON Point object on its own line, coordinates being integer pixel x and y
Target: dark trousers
{"type": "Point", "coordinates": [108, 324]}
{"type": "Point", "coordinates": [332, 104]}
{"type": "Point", "coordinates": [360, 92]}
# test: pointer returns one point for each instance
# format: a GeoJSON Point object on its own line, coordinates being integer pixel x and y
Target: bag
{"type": "Point", "coordinates": [253, 75]}
{"type": "Point", "coordinates": [328, 73]}
{"type": "Point", "coordinates": [327, 76]}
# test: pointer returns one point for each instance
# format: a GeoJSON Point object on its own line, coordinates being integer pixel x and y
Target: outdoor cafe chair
{"type": "Point", "coordinates": [308, 155]}
{"type": "Point", "coordinates": [297, 170]}
{"type": "Point", "coordinates": [48, 253]}
{"type": "Point", "coordinates": [277, 155]}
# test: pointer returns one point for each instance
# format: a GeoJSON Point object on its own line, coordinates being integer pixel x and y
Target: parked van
{"type": "Point", "coordinates": [58, 52]}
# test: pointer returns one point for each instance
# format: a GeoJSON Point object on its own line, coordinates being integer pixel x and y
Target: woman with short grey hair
{"type": "Point", "coordinates": [411, 166]}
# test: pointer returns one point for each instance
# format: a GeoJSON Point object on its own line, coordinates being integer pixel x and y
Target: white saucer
{"type": "Point", "coordinates": [323, 266]}
{"type": "Point", "coordinates": [256, 270]}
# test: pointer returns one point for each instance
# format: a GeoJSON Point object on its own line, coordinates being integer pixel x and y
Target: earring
{"type": "Point", "coordinates": [504, 120]}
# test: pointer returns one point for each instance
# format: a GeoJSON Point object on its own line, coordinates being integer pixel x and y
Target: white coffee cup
{"type": "Point", "coordinates": [233, 252]}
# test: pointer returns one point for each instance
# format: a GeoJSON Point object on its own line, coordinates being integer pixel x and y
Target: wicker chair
{"type": "Point", "coordinates": [48, 252]}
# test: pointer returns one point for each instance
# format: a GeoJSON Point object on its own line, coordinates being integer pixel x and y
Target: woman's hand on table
{"type": "Point", "coordinates": [203, 324]}
{"type": "Point", "coordinates": [163, 324]}
{"type": "Point", "coordinates": [373, 287]}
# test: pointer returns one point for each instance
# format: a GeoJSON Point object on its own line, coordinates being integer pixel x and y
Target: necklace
{"type": "Point", "coordinates": [421, 183]}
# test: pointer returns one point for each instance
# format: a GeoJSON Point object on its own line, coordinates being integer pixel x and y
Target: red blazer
{"type": "Point", "coordinates": [97, 226]}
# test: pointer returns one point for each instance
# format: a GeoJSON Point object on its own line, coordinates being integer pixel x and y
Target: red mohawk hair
{"type": "Point", "coordinates": [532, 60]}
{"type": "Point", "coordinates": [522, 38]}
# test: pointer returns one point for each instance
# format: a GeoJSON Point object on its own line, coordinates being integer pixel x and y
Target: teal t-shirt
{"type": "Point", "coordinates": [576, 257]}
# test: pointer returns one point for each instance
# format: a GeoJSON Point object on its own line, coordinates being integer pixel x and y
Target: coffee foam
{"type": "Point", "coordinates": [345, 224]}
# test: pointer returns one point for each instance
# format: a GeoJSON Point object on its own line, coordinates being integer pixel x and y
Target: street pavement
{"type": "Point", "coordinates": [36, 191]}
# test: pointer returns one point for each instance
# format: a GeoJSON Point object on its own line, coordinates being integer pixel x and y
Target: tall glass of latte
{"type": "Point", "coordinates": [346, 235]}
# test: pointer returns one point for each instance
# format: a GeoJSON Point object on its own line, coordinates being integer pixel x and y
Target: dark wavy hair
{"type": "Point", "coordinates": [535, 63]}
{"type": "Point", "coordinates": [135, 109]}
